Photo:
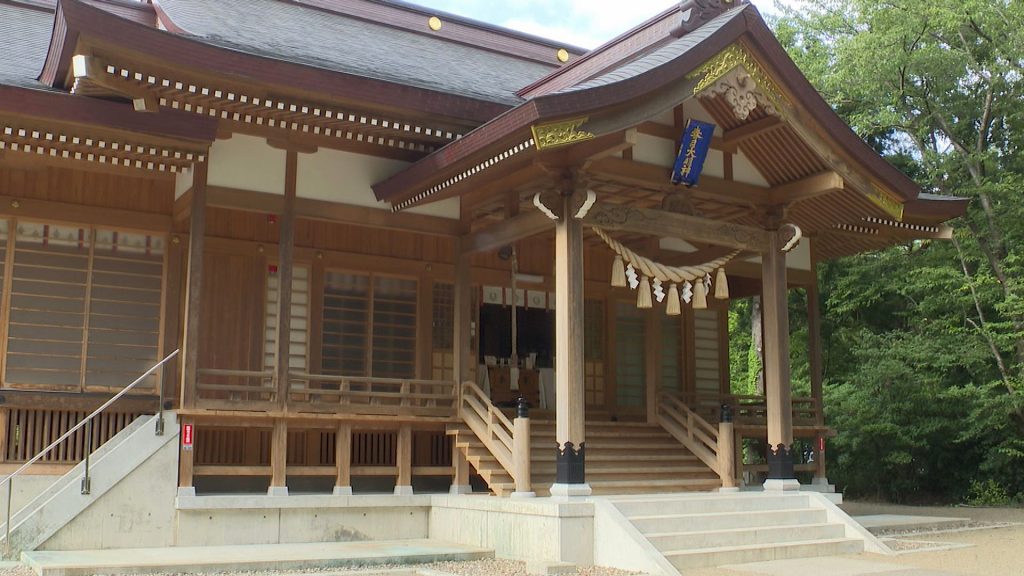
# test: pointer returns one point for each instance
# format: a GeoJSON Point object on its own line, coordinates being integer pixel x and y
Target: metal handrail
{"type": "Point", "coordinates": [87, 421]}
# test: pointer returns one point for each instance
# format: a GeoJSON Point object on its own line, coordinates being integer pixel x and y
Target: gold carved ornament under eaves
{"type": "Point", "coordinates": [560, 133]}
{"type": "Point", "coordinates": [725, 62]}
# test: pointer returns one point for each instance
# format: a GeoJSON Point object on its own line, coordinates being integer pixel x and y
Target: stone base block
{"type": "Point", "coordinates": [570, 490]}
{"type": "Point", "coordinates": [277, 491]}
{"type": "Point", "coordinates": [457, 489]}
{"type": "Point", "coordinates": [186, 491]}
{"type": "Point", "coordinates": [403, 490]}
{"type": "Point", "coordinates": [524, 495]}
{"type": "Point", "coordinates": [342, 491]}
{"type": "Point", "coordinates": [777, 485]}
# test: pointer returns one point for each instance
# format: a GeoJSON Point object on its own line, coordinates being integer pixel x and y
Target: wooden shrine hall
{"type": "Point", "coordinates": [405, 251]}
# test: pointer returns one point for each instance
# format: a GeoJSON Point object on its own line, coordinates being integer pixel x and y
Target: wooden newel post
{"type": "Point", "coordinates": [727, 450]}
{"type": "Point", "coordinates": [521, 450]}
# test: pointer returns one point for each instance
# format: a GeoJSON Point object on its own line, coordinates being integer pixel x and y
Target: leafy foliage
{"type": "Point", "coordinates": [924, 342]}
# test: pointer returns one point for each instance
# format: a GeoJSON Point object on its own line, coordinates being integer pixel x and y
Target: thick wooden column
{"type": "Point", "coordinates": [814, 359]}
{"type": "Point", "coordinates": [569, 393]}
{"type": "Point", "coordinates": [186, 463]}
{"type": "Point", "coordinates": [462, 343]}
{"type": "Point", "coordinates": [460, 472]}
{"type": "Point", "coordinates": [286, 255]}
{"type": "Point", "coordinates": [776, 367]}
{"type": "Point", "coordinates": [194, 287]}
{"type": "Point", "coordinates": [403, 485]}
{"type": "Point", "coordinates": [343, 460]}
{"type": "Point", "coordinates": [279, 459]}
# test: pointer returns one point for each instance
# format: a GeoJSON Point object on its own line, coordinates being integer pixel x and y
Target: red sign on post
{"type": "Point", "coordinates": [186, 437]}
{"type": "Point", "coordinates": [821, 443]}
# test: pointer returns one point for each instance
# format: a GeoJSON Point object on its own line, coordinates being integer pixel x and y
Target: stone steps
{"type": "Point", "coordinates": [695, 531]}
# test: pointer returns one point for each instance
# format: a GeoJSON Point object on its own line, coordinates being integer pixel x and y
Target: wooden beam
{"type": "Point", "coordinates": [194, 288]}
{"type": "Point", "coordinates": [507, 231]}
{"type": "Point", "coordinates": [286, 251]}
{"type": "Point", "coordinates": [750, 129]}
{"type": "Point", "coordinates": [809, 187]}
{"type": "Point", "coordinates": [31, 208]}
{"type": "Point", "coordinates": [91, 70]}
{"type": "Point", "coordinates": [656, 177]}
{"type": "Point", "coordinates": [603, 147]}
{"type": "Point", "coordinates": [311, 209]}
{"type": "Point", "coordinates": [672, 225]}
{"type": "Point", "coordinates": [659, 130]}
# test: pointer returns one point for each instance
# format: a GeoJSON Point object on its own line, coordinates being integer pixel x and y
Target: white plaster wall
{"type": "Point", "coordinates": [519, 529]}
{"type": "Point", "coordinates": [137, 512]}
{"type": "Point", "coordinates": [653, 150]}
{"type": "Point", "coordinates": [182, 182]}
{"type": "Point", "coordinates": [347, 177]}
{"type": "Point", "coordinates": [248, 163]}
{"type": "Point", "coordinates": [676, 244]}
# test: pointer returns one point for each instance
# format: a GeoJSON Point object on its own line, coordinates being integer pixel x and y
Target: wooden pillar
{"type": "Point", "coordinates": [286, 253]}
{"type": "Point", "coordinates": [776, 367]}
{"type": "Point", "coordinates": [194, 287]}
{"type": "Point", "coordinates": [463, 317]}
{"type": "Point", "coordinates": [727, 454]}
{"type": "Point", "coordinates": [652, 363]}
{"type": "Point", "coordinates": [521, 452]}
{"type": "Point", "coordinates": [460, 471]}
{"type": "Point", "coordinates": [343, 459]}
{"type": "Point", "coordinates": [403, 486]}
{"type": "Point", "coordinates": [279, 459]}
{"type": "Point", "coordinates": [424, 329]}
{"type": "Point", "coordinates": [689, 343]}
{"type": "Point", "coordinates": [570, 478]}
{"type": "Point", "coordinates": [816, 367]}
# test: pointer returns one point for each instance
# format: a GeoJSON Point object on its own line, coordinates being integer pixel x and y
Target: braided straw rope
{"type": "Point", "coordinates": [651, 269]}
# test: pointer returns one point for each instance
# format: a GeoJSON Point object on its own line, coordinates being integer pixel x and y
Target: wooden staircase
{"type": "Point", "coordinates": [622, 458]}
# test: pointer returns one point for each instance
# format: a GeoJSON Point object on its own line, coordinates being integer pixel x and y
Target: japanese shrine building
{"type": "Point", "coordinates": [331, 207]}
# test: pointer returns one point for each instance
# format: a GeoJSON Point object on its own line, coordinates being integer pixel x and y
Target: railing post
{"type": "Point", "coordinates": [521, 450]}
{"type": "Point", "coordinates": [727, 450]}
{"type": "Point", "coordinates": [160, 409]}
{"type": "Point", "coordinates": [86, 481]}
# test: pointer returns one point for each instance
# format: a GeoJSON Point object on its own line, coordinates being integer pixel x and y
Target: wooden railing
{"type": "Point", "coordinates": [233, 389]}
{"type": "Point", "coordinates": [492, 427]}
{"type": "Point", "coordinates": [751, 410]}
{"type": "Point", "coordinates": [372, 396]}
{"type": "Point", "coordinates": [686, 426]}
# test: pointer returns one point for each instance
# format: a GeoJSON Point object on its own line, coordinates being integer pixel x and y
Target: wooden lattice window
{"type": "Point", "coordinates": [369, 326]}
{"type": "Point", "coordinates": [630, 345]}
{"type": "Point", "coordinates": [707, 345]}
{"type": "Point", "coordinates": [671, 353]}
{"type": "Point", "coordinates": [298, 348]}
{"type": "Point", "coordinates": [443, 327]}
{"type": "Point", "coordinates": [85, 307]}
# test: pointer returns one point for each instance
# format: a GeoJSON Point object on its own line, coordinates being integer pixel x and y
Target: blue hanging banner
{"type": "Point", "coordinates": [692, 151]}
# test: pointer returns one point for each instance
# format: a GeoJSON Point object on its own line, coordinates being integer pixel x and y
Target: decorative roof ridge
{"type": "Point", "coordinates": [461, 30]}
{"type": "Point", "coordinates": [632, 44]}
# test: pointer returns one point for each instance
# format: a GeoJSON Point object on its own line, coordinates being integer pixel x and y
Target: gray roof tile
{"type": "Point", "coordinates": [296, 33]}
{"type": "Point", "coordinates": [25, 37]}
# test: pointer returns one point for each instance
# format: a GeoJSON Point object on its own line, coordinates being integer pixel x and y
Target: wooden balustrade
{"type": "Point", "coordinates": [372, 396]}
{"type": "Point", "coordinates": [751, 410]}
{"type": "Point", "coordinates": [690, 429]}
{"type": "Point", "coordinates": [233, 389]}
{"type": "Point", "coordinates": [492, 427]}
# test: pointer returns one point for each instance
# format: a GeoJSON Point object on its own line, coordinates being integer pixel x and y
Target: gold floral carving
{"type": "Point", "coordinates": [560, 133]}
{"type": "Point", "coordinates": [725, 61]}
{"type": "Point", "coordinates": [884, 201]}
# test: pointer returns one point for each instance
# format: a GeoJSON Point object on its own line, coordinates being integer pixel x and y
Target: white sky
{"type": "Point", "coordinates": [584, 23]}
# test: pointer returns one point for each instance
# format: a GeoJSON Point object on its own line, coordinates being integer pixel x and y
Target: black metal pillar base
{"type": "Point", "coordinates": [570, 464]}
{"type": "Point", "coordinates": [780, 462]}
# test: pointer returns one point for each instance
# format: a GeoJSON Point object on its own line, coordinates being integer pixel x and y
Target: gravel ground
{"type": "Point", "coordinates": [472, 568]}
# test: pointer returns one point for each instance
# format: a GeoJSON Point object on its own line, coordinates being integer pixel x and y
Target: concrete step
{"type": "Point", "coordinates": [703, 557]}
{"type": "Point", "coordinates": [703, 505]}
{"type": "Point", "coordinates": [704, 538]}
{"type": "Point", "coordinates": [187, 559]}
{"type": "Point", "coordinates": [665, 523]}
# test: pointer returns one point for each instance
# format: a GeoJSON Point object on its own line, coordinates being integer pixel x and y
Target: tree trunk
{"type": "Point", "coordinates": [757, 343]}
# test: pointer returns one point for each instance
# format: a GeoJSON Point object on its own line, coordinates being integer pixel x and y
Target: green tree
{"type": "Point", "coordinates": [924, 343]}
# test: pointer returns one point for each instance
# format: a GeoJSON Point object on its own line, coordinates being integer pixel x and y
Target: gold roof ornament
{"type": "Point", "coordinates": [434, 23]}
{"type": "Point", "coordinates": [562, 55]}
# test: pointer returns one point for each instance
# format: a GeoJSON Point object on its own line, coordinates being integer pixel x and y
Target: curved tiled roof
{"type": "Point", "coordinates": [26, 36]}
{"type": "Point", "coordinates": [332, 41]}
